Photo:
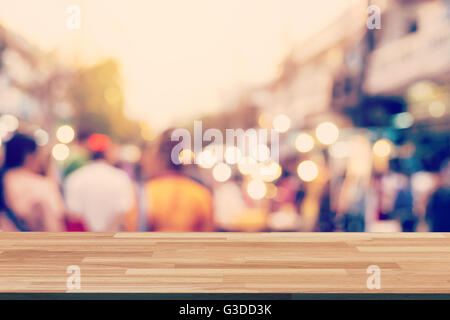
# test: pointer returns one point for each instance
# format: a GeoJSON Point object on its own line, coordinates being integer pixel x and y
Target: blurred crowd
{"type": "Point", "coordinates": [362, 116]}
{"type": "Point", "coordinates": [98, 192]}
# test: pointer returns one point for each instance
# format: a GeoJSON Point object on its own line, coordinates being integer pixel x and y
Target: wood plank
{"type": "Point", "coordinates": [225, 262]}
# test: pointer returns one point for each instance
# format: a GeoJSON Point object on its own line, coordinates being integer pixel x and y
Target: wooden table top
{"type": "Point", "coordinates": [225, 262]}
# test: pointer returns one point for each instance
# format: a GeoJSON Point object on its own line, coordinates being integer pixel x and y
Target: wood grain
{"type": "Point", "coordinates": [225, 262]}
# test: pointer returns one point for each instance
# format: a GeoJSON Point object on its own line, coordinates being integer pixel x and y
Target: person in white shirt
{"type": "Point", "coordinates": [100, 195]}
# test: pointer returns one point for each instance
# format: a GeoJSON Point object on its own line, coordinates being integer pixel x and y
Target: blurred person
{"type": "Point", "coordinates": [390, 185]}
{"type": "Point", "coordinates": [287, 202]}
{"type": "Point", "coordinates": [424, 183]}
{"type": "Point", "coordinates": [354, 196]}
{"type": "Point", "coordinates": [99, 193]}
{"type": "Point", "coordinates": [438, 212]}
{"type": "Point", "coordinates": [29, 201]}
{"type": "Point", "coordinates": [402, 208]}
{"type": "Point", "coordinates": [229, 203]}
{"type": "Point", "coordinates": [326, 221]}
{"type": "Point", "coordinates": [290, 190]}
{"type": "Point", "coordinates": [351, 205]}
{"type": "Point", "coordinates": [174, 202]}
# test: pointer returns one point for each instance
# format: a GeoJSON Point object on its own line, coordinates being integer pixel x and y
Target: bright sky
{"type": "Point", "coordinates": [179, 59]}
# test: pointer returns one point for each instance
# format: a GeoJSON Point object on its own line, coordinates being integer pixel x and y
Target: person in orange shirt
{"type": "Point", "coordinates": [172, 201]}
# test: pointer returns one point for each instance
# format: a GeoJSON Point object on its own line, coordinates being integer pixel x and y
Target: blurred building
{"type": "Point", "coordinates": [411, 61]}
{"type": "Point", "coordinates": [411, 55]}
{"type": "Point", "coordinates": [18, 62]}
{"type": "Point", "coordinates": [395, 78]}
{"type": "Point", "coordinates": [33, 87]}
{"type": "Point", "coordinates": [319, 72]}
{"type": "Point", "coordinates": [390, 85]}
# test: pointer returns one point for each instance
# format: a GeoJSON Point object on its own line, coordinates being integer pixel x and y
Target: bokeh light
{"type": "Point", "coordinates": [60, 152]}
{"type": "Point", "coordinates": [437, 109]}
{"type": "Point", "coordinates": [9, 123]}
{"type": "Point", "coordinates": [265, 121]}
{"type": "Point", "coordinates": [232, 155]}
{"type": "Point", "coordinates": [270, 171]}
{"type": "Point", "coordinates": [308, 170]}
{"type": "Point", "coordinates": [304, 142]}
{"type": "Point", "coordinates": [327, 133]}
{"type": "Point", "coordinates": [256, 189]}
{"type": "Point", "coordinates": [221, 172]}
{"type": "Point", "coordinates": [130, 153]}
{"type": "Point", "coordinates": [260, 152]}
{"type": "Point", "coordinates": [382, 148]}
{"type": "Point", "coordinates": [421, 91]}
{"type": "Point", "coordinates": [65, 134]}
{"type": "Point", "coordinates": [281, 123]}
{"type": "Point", "coordinates": [403, 120]}
{"type": "Point", "coordinates": [207, 159]}
{"type": "Point", "coordinates": [41, 137]}
{"type": "Point", "coordinates": [246, 165]}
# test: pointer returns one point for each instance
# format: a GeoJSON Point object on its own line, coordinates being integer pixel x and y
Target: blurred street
{"type": "Point", "coordinates": [361, 116]}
